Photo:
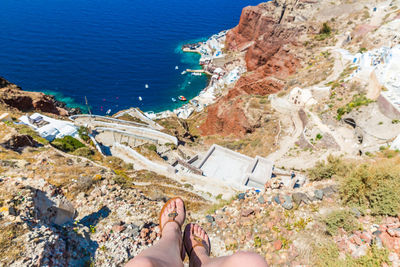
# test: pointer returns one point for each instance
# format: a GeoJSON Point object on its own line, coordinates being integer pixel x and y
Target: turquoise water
{"type": "Point", "coordinates": [109, 50]}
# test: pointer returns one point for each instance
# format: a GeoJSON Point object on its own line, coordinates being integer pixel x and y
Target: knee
{"type": "Point", "coordinates": [140, 262]}
{"type": "Point", "coordinates": [249, 259]}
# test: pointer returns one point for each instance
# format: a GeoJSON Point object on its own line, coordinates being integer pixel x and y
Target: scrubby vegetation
{"type": "Point", "coordinates": [328, 255]}
{"type": "Point", "coordinates": [67, 144]}
{"type": "Point", "coordinates": [84, 133]}
{"type": "Point", "coordinates": [340, 219]}
{"type": "Point", "coordinates": [325, 32]}
{"type": "Point", "coordinates": [326, 170]}
{"type": "Point", "coordinates": [358, 101]}
{"type": "Point", "coordinates": [9, 247]}
{"type": "Point", "coordinates": [375, 186]}
{"type": "Point", "coordinates": [84, 152]}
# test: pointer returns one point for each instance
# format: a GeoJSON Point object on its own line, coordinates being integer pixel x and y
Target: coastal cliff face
{"type": "Point", "coordinates": [268, 33]}
{"type": "Point", "coordinates": [13, 96]}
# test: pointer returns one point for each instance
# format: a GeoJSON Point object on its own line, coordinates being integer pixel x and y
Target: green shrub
{"type": "Point", "coordinates": [326, 170]}
{"type": "Point", "coordinates": [327, 255]}
{"type": "Point", "coordinates": [84, 133]}
{"type": "Point", "coordinates": [358, 101]}
{"type": "Point", "coordinates": [324, 32]}
{"type": "Point", "coordinates": [326, 29]}
{"type": "Point", "coordinates": [83, 152]}
{"type": "Point", "coordinates": [152, 147]}
{"type": "Point", "coordinates": [375, 186]}
{"type": "Point", "coordinates": [318, 136]}
{"type": "Point", "coordinates": [67, 144]}
{"type": "Point", "coordinates": [340, 219]}
{"type": "Point", "coordinates": [362, 50]}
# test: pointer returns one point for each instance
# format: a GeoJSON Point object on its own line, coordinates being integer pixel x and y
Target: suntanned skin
{"type": "Point", "coordinates": [167, 251]}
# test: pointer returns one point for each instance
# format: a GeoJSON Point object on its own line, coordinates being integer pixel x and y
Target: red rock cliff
{"type": "Point", "coordinates": [267, 35]}
{"type": "Point", "coordinates": [14, 97]}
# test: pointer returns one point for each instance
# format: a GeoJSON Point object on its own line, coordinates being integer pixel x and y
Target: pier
{"type": "Point", "coordinates": [199, 71]}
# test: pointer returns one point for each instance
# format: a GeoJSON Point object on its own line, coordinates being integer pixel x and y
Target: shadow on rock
{"type": "Point", "coordinates": [54, 238]}
{"type": "Point", "coordinates": [94, 218]}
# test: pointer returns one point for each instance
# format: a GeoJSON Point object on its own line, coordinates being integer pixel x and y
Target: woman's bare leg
{"type": "Point", "coordinates": [199, 256]}
{"type": "Point", "coordinates": [167, 251]}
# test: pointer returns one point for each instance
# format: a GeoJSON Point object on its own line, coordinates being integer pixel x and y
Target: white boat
{"type": "Point", "coordinates": [183, 72]}
{"type": "Point", "coordinates": [176, 67]}
{"type": "Point", "coordinates": [146, 85]}
{"type": "Point", "coordinates": [173, 99]}
{"type": "Point", "coordinates": [108, 111]}
{"type": "Point", "coordinates": [196, 73]}
{"type": "Point", "coordinates": [140, 98]}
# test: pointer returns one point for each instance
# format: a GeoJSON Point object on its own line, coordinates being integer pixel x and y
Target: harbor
{"type": "Point", "coordinates": [221, 75]}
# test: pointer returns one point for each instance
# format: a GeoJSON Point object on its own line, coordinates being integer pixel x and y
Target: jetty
{"type": "Point", "coordinates": [199, 71]}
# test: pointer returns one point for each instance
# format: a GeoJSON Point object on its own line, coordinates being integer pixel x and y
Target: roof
{"type": "Point", "coordinates": [54, 129]}
{"type": "Point", "coordinates": [233, 167]}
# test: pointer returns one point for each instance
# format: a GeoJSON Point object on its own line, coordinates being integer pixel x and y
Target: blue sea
{"type": "Point", "coordinates": [109, 50]}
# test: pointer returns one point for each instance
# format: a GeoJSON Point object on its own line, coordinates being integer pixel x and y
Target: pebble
{"type": "Point", "coordinates": [210, 218]}
{"type": "Point", "coordinates": [378, 242]}
{"type": "Point", "coordinates": [117, 228]}
{"type": "Point", "coordinates": [356, 212]}
{"type": "Point", "coordinates": [377, 233]}
{"type": "Point", "coordinates": [277, 199]}
{"type": "Point", "coordinates": [261, 199]}
{"type": "Point", "coordinates": [360, 251]}
{"type": "Point", "coordinates": [288, 204]}
{"type": "Point", "coordinates": [12, 211]}
{"type": "Point", "coordinates": [277, 244]}
{"type": "Point", "coordinates": [319, 194]}
{"type": "Point", "coordinates": [394, 232]}
{"type": "Point", "coordinates": [247, 212]}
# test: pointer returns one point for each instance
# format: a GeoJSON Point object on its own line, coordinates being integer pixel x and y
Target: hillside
{"type": "Point", "coordinates": [318, 100]}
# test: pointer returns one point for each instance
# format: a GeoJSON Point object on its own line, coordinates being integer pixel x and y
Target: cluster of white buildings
{"type": "Point", "coordinates": [212, 48]}
{"type": "Point", "coordinates": [385, 62]}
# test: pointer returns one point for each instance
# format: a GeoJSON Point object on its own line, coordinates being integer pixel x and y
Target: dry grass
{"type": "Point", "coordinates": [10, 246]}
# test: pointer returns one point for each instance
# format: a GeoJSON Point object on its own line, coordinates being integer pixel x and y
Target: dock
{"type": "Point", "coordinates": [199, 71]}
{"type": "Point", "coordinates": [195, 71]}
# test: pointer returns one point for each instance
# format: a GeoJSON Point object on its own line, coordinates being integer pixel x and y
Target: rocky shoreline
{"type": "Point", "coordinates": [13, 97]}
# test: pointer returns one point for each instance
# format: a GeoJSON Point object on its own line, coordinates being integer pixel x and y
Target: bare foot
{"type": "Point", "coordinates": [171, 220]}
{"type": "Point", "coordinates": [197, 244]}
{"type": "Point", "coordinates": [173, 216]}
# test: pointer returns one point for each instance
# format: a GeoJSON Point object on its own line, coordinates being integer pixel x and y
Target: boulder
{"type": "Point", "coordinates": [57, 210]}
{"type": "Point", "coordinates": [17, 141]}
{"type": "Point", "coordinates": [298, 198]}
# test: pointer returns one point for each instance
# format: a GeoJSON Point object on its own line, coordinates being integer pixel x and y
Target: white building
{"type": "Point", "coordinates": [235, 168]}
{"type": "Point", "coordinates": [49, 128]}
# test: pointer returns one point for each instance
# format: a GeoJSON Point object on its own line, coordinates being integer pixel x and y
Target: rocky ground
{"type": "Point", "coordinates": [68, 209]}
{"type": "Point", "coordinates": [58, 209]}
{"type": "Point", "coordinates": [304, 227]}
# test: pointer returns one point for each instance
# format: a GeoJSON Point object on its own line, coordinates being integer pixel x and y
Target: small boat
{"type": "Point", "coordinates": [182, 98]}
{"type": "Point", "coordinates": [146, 85]}
{"type": "Point", "coordinates": [183, 72]}
{"type": "Point", "coordinates": [176, 67]}
{"type": "Point", "coordinates": [140, 98]}
{"type": "Point", "coordinates": [173, 99]}
{"type": "Point", "coordinates": [108, 111]}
